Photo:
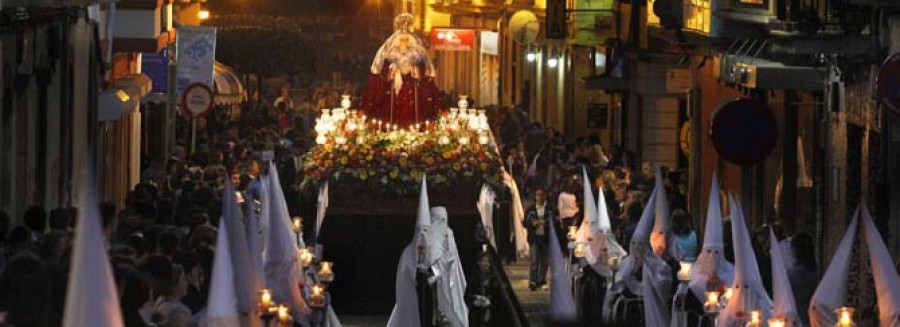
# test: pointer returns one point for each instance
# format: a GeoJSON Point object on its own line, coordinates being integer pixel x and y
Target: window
{"type": "Point", "coordinates": [697, 16]}
{"type": "Point", "coordinates": [752, 2]}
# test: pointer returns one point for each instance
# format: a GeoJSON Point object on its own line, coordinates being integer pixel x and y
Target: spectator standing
{"type": "Point", "coordinates": [537, 220]}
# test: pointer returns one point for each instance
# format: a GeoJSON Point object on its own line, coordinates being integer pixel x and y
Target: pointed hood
{"type": "Point", "coordinates": [747, 288]}
{"type": "Point", "coordinates": [423, 215]}
{"type": "Point", "coordinates": [222, 305]}
{"type": "Point", "coordinates": [244, 275]}
{"type": "Point", "coordinates": [603, 220]}
{"type": "Point", "coordinates": [562, 302]}
{"type": "Point", "coordinates": [885, 275]}
{"type": "Point", "coordinates": [406, 307]}
{"type": "Point", "coordinates": [640, 240]}
{"type": "Point", "coordinates": [590, 211]}
{"type": "Point", "coordinates": [280, 257]}
{"type": "Point", "coordinates": [711, 264]}
{"type": "Point", "coordinates": [255, 247]}
{"type": "Point", "coordinates": [782, 295]}
{"type": "Point", "coordinates": [92, 298]}
{"type": "Point", "coordinates": [660, 238]}
{"type": "Point", "coordinates": [833, 287]}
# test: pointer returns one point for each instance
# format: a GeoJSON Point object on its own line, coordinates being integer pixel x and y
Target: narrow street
{"type": "Point", "coordinates": [534, 303]}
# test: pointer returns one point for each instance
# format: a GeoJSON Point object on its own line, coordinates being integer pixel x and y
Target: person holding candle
{"type": "Point", "coordinates": [450, 284]}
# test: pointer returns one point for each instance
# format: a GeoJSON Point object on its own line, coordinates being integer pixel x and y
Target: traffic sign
{"type": "Point", "coordinates": [744, 131]}
{"type": "Point", "coordinates": [197, 99]}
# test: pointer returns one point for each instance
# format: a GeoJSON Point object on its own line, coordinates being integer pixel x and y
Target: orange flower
{"type": "Point", "coordinates": [370, 157]}
{"type": "Point", "coordinates": [343, 160]}
{"type": "Point", "coordinates": [456, 166]}
{"type": "Point", "coordinates": [363, 175]}
{"type": "Point", "coordinates": [429, 161]}
{"type": "Point", "coordinates": [448, 155]}
{"type": "Point", "coordinates": [394, 173]}
{"type": "Point", "coordinates": [483, 166]}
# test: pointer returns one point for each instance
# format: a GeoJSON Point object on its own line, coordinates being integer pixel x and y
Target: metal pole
{"type": "Point", "coordinates": [193, 134]}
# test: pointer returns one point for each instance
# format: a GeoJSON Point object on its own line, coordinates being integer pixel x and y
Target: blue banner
{"type": "Point", "coordinates": [156, 66]}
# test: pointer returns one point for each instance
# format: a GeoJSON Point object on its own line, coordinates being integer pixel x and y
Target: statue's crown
{"type": "Point", "coordinates": [404, 22]}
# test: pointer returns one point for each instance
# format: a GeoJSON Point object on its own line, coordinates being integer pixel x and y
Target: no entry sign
{"type": "Point", "coordinates": [744, 131]}
{"type": "Point", "coordinates": [197, 99]}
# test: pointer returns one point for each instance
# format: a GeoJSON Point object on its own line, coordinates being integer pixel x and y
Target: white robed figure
{"type": "Point", "coordinates": [748, 292]}
{"type": "Point", "coordinates": [596, 232]}
{"type": "Point", "coordinates": [711, 271]}
{"type": "Point", "coordinates": [450, 284]}
{"type": "Point", "coordinates": [648, 246]}
{"type": "Point", "coordinates": [832, 290]}
{"type": "Point", "coordinates": [413, 259]}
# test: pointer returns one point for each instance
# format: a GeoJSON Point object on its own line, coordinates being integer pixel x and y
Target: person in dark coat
{"type": "Point", "coordinates": [537, 218]}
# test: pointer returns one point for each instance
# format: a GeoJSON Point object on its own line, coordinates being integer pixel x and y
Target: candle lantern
{"type": "Point", "coordinates": [325, 274]}
{"type": "Point", "coordinates": [845, 317]}
{"type": "Point", "coordinates": [345, 101]}
{"type": "Point", "coordinates": [774, 322]}
{"type": "Point", "coordinates": [684, 274]}
{"type": "Point", "coordinates": [573, 231]}
{"type": "Point", "coordinates": [613, 261]}
{"type": "Point", "coordinates": [579, 250]}
{"type": "Point", "coordinates": [265, 300]}
{"type": "Point", "coordinates": [298, 225]}
{"type": "Point", "coordinates": [755, 318]}
{"type": "Point", "coordinates": [284, 317]}
{"type": "Point", "coordinates": [306, 256]}
{"type": "Point", "coordinates": [712, 302]}
{"type": "Point", "coordinates": [317, 297]}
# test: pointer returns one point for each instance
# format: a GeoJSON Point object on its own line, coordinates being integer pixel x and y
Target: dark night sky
{"type": "Point", "coordinates": [290, 7]}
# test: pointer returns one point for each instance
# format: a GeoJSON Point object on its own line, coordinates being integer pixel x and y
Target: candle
{"type": "Point", "coordinates": [325, 273]}
{"type": "Point", "coordinates": [776, 322]}
{"type": "Point", "coordinates": [845, 316]}
{"type": "Point", "coordinates": [684, 274]}
{"type": "Point", "coordinates": [579, 250]}
{"type": "Point", "coordinates": [283, 316]}
{"type": "Point", "coordinates": [613, 261]}
{"type": "Point", "coordinates": [265, 299]}
{"type": "Point", "coordinates": [755, 318]}
{"type": "Point", "coordinates": [306, 256]}
{"type": "Point", "coordinates": [728, 292]}
{"type": "Point", "coordinates": [712, 302]}
{"type": "Point", "coordinates": [572, 232]}
{"type": "Point", "coordinates": [298, 225]}
{"type": "Point", "coordinates": [317, 298]}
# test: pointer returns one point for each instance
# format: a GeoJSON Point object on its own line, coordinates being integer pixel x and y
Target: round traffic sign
{"type": "Point", "coordinates": [744, 131]}
{"type": "Point", "coordinates": [197, 99]}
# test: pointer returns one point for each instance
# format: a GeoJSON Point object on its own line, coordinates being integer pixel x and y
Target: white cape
{"type": "Point", "coordinates": [833, 286]}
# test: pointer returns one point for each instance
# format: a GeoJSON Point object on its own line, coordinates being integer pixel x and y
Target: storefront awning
{"type": "Point", "coordinates": [123, 97]}
{"type": "Point", "coordinates": [228, 88]}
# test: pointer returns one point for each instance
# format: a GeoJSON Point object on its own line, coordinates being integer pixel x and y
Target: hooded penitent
{"type": "Point", "coordinates": [782, 296]}
{"type": "Point", "coordinates": [711, 269]}
{"type": "Point", "coordinates": [280, 257]}
{"type": "Point", "coordinates": [833, 287]}
{"type": "Point", "coordinates": [655, 282]}
{"type": "Point", "coordinates": [562, 303]}
{"type": "Point", "coordinates": [595, 232]}
{"type": "Point", "coordinates": [451, 282]}
{"type": "Point", "coordinates": [415, 255]}
{"type": "Point", "coordinates": [92, 298]}
{"type": "Point", "coordinates": [887, 283]}
{"type": "Point", "coordinates": [748, 292]}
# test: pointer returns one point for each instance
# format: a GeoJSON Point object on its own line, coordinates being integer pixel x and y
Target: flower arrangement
{"type": "Point", "coordinates": [370, 154]}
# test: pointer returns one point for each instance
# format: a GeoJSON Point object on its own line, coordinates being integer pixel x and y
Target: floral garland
{"type": "Point", "coordinates": [393, 161]}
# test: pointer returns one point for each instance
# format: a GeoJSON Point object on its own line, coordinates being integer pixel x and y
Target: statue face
{"type": "Point", "coordinates": [403, 42]}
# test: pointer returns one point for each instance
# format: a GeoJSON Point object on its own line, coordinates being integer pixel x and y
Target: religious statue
{"type": "Point", "coordinates": [401, 89]}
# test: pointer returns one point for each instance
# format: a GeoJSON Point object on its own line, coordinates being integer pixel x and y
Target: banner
{"type": "Point", "coordinates": [196, 56]}
{"type": "Point", "coordinates": [489, 43]}
{"type": "Point", "coordinates": [156, 66]}
{"type": "Point", "coordinates": [592, 22]}
{"type": "Point", "coordinates": [452, 39]}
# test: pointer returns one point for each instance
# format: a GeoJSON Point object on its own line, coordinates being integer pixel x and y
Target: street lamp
{"type": "Point", "coordinates": [531, 56]}
{"type": "Point", "coordinates": [203, 14]}
{"type": "Point", "coordinates": [552, 62]}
